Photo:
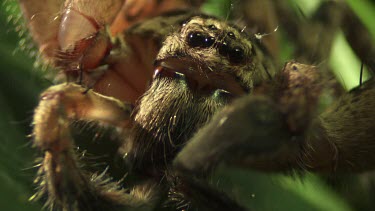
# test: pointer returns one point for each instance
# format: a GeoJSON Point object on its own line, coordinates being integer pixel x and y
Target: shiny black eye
{"type": "Point", "coordinates": [212, 27]}
{"type": "Point", "coordinates": [231, 35]}
{"type": "Point", "coordinates": [236, 55]}
{"type": "Point", "coordinates": [209, 41]}
{"type": "Point", "coordinates": [197, 39]}
{"type": "Point", "coordinates": [224, 49]}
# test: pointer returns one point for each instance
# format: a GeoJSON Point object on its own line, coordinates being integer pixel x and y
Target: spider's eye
{"type": "Point", "coordinates": [236, 55]}
{"type": "Point", "coordinates": [224, 49]}
{"type": "Point", "coordinates": [209, 41]}
{"type": "Point", "coordinates": [212, 27]}
{"type": "Point", "coordinates": [231, 35]}
{"type": "Point", "coordinates": [197, 39]}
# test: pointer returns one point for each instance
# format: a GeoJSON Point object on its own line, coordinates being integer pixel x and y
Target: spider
{"type": "Point", "coordinates": [184, 92]}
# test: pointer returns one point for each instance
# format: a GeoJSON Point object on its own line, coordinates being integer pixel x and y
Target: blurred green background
{"type": "Point", "coordinates": [21, 82]}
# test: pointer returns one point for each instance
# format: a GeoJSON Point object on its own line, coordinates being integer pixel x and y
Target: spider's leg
{"type": "Point", "coordinates": [359, 38]}
{"type": "Point", "coordinates": [57, 25]}
{"type": "Point", "coordinates": [251, 126]}
{"type": "Point", "coordinates": [313, 36]}
{"type": "Point", "coordinates": [285, 132]}
{"type": "Point", "coordinates": [328, 18]}
{"type": "Point", "coordinates": [45, 21]}
{"type": "Point", "coordinates": [261, 125]}
{"type": "Point", "coordinates": [134, 11]}
{"type": "Point", "coordinates": [61, 178]}
{"type": "Point", "coordinates": [187, 192]}
{"type": "Point", "coordinates": [348, 128]}
{"type": "Point", "coordinates": [263, 23]}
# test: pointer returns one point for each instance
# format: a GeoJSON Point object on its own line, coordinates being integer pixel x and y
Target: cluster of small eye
{"type": "Point", "coordinates": [200, 40]}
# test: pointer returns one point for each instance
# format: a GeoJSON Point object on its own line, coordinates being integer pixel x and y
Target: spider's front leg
{"type": "Point", "coordinates": [61, 178]}
{"type": "Point", "coordinates": [283, 132]}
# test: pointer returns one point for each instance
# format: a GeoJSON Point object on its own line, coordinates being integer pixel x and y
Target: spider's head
{"type": "Point", "coordinates": [199, 69]}
{"type": "Point", "coordinates": [210, 55]}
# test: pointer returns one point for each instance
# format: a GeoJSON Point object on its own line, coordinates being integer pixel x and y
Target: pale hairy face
{"type": "Point", "coordinates": [216, 46]}
{"type": "Point", "coordinates": [200, 68]}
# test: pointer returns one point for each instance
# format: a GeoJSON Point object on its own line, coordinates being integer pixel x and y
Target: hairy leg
{"type": "Point", "coordinates": [61, 177]}
{"type": "Point", "coordinates": [188, 192]}
{"type": "Point", "coordinates": [284, 132]}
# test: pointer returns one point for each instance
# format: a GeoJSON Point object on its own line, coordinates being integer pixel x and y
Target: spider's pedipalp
{"type": "Point", "coordinates": [63, 103]}
{"type": "Point", "coordinates": [289, 133]}
{"type": "Point", "coordinates": [259, 128]}
{"type": "Point", "coordinates": [61, 178]}
{"type": "Point", "coordinates": [246, 128]}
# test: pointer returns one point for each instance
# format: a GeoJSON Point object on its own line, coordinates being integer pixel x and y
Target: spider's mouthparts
{"type": "Point", "coordinates": [198, 77]}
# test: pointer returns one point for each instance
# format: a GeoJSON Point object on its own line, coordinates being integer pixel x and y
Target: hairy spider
{"type": "Point", "coordinates": [182, 91]}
